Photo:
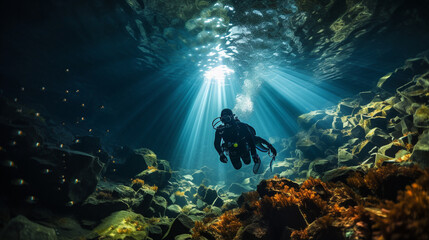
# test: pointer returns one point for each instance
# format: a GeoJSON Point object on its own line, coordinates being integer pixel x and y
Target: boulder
{"type": "Point", "coordinates": [238, 188]}
{"type": "Point", "coordinates": [346, 158]}
{"type": "Point", "coordinates": [21, 228]}
{"type": "Point", "coordinates": [337, 123]}
{"type": "Point", "coordinates": [378, 137]}
{"type": "Point", "coordinates": [122, 191]}
{"type": "Point", "coordinates": [121, 225]}
{"type": "Point", "coordinates": [100, 205]}
{"type": "Point", "coordinates": [154, 231]}
{"type": "Point", "coordinates": [390, 150]}
{"type": "Point", "coordinates": [421, 117]}
{"type": "Point", "coordinates": [159, 205]}
{"type": "Point", "coordinates": [310, 146]}
{"type": "Point", "coordinates": [347, 108]}
{"type": "Point", "coordinates": [197, 215]}
{"type": "Point", "coordinates": [308, 119]}
{"type": "Point", "coordinates": [229, 204]}
{"type": "Point", "coordinates": [420, 152]}
{"type": "Point", "coordinates": [155, 177]}
{"type": "Point", "coordinates": [198, 176]}
{"type": "Point", "coordinates": [407, 124]}
{"type": "Point", "coordinates": [134, 162]}
{"type": "Point", "coordinates": [321, 165]}
{"type": "Point", "coordinates": [183, 237]}
{"type": "Point", "coordinates": [325, 122]}
{"type": "Point", "coordinates": [340, 174]}
{"type": "Point", "coordinates": [218, 202]}
{"type": "Point", "coordinates": [164, 165]}
{"type": "Point", "coordinates": [358, 132]}
{"type": "Point", "coordinates": [182, 224]}
{"type": "Point", "coordinates": [362, 150]}
{"type": "Point", "coordinates": [77, 172]}
{"type": "Point", "coordinates": [207, 195]}
{"type": "Point", "coordinates": [143, 201]}
{"type": "Point", "coordinates": [366, 97]}
{"type": "Point", "coordinates": [378, 122]}
{"type": "Point", "coordinates": [173, 211]}
{"type": "Point", "coordinates": [402, 106]}
{"type": "Point", "coordinates": [179, 199]}
{"type": "Point", "coordinates": [403, 75]}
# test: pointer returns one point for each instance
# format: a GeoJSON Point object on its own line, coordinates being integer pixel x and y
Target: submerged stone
{"type": "Point", "coordinates": [182, 224]}
{"type": "Point", "coordinates": [420, 153]}
{"type": "Point", "coordinates": [421, 117]}
{"type": "Point", "coordinates": [21, 228]}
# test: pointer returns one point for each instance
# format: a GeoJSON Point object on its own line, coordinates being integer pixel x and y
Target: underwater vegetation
{"type": "Point", "coordinates": [282, 209]}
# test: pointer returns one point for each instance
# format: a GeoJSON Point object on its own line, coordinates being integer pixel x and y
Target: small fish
{"type": "Point", "coordinates": [31, 199]}
{"type": "Point", "coordinates": [18, 182]}
{"type": "Point", "coordinates": [8, 163]}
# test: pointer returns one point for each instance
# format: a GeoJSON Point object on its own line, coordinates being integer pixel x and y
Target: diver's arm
{"type": "Point", "coordinates": [272, 149]}
{"type": "Point", "coordinates": [217, 143]}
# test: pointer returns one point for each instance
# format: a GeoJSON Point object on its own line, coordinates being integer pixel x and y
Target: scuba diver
{"type": "Point", "coordinates": [238, 139]}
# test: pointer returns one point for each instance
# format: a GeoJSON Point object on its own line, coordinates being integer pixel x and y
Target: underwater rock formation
{"type": "Point", "coordinates": [391, 127]}
{"type": "Point", "coordinates": [22, 228]}
{"type": "Point", "coordinates": [40, 165]}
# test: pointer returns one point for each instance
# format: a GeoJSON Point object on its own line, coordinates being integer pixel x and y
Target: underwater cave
{"type": "Point", "coordinates": [214, 119]}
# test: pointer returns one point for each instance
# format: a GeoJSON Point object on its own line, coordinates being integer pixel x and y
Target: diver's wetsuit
{"type": "Point", "coordinates": [236, 132]}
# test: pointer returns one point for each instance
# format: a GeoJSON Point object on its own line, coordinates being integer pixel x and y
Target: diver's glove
{"type": "Point", "coordinates": [223, 158]}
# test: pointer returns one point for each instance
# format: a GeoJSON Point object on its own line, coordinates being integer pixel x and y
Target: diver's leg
{"type": "Point", "coordinates": [246, 157]}
{"type": "Point", "coordinates": [236, 162]}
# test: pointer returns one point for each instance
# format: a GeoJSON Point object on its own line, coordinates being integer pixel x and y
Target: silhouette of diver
{"type": "Point", "coordinates": [238, 139]}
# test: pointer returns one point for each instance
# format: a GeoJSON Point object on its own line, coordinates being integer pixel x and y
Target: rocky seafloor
{"type": "Point", "coordinates": [358, 170]}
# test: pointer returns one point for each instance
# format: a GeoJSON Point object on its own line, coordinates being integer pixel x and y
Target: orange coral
{"type": "Point", "coordinates": [409, 146]}
{"type": "Point", "coordinates": [154, 188]}
{"type": "Point", "coordinates": [311, 182]}
{"type": "Point", "coordinates": [375, 177]}
{"type": "Point", "coordinates": [299, 235]}
{"type": "Point", "coordinates": [225, 227]}
{"type": "Point", "coordinates": [179, 193]}
{"type": "Point", "coordinates": [138, 181]}
{"type": "Point", "coordinates": [356, 180]}
{"type": "Point", "coordinates": [152, 167]}
{"type": "Point", "coordinates": [408, 218]}
{"type": "Point", "coordinates": [104, 195]}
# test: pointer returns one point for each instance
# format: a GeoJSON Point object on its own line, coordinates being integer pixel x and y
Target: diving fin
{"type": "Point", "coordinates": [271, 163]}
{"type": "Point", "coordinates": [256, 167]}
